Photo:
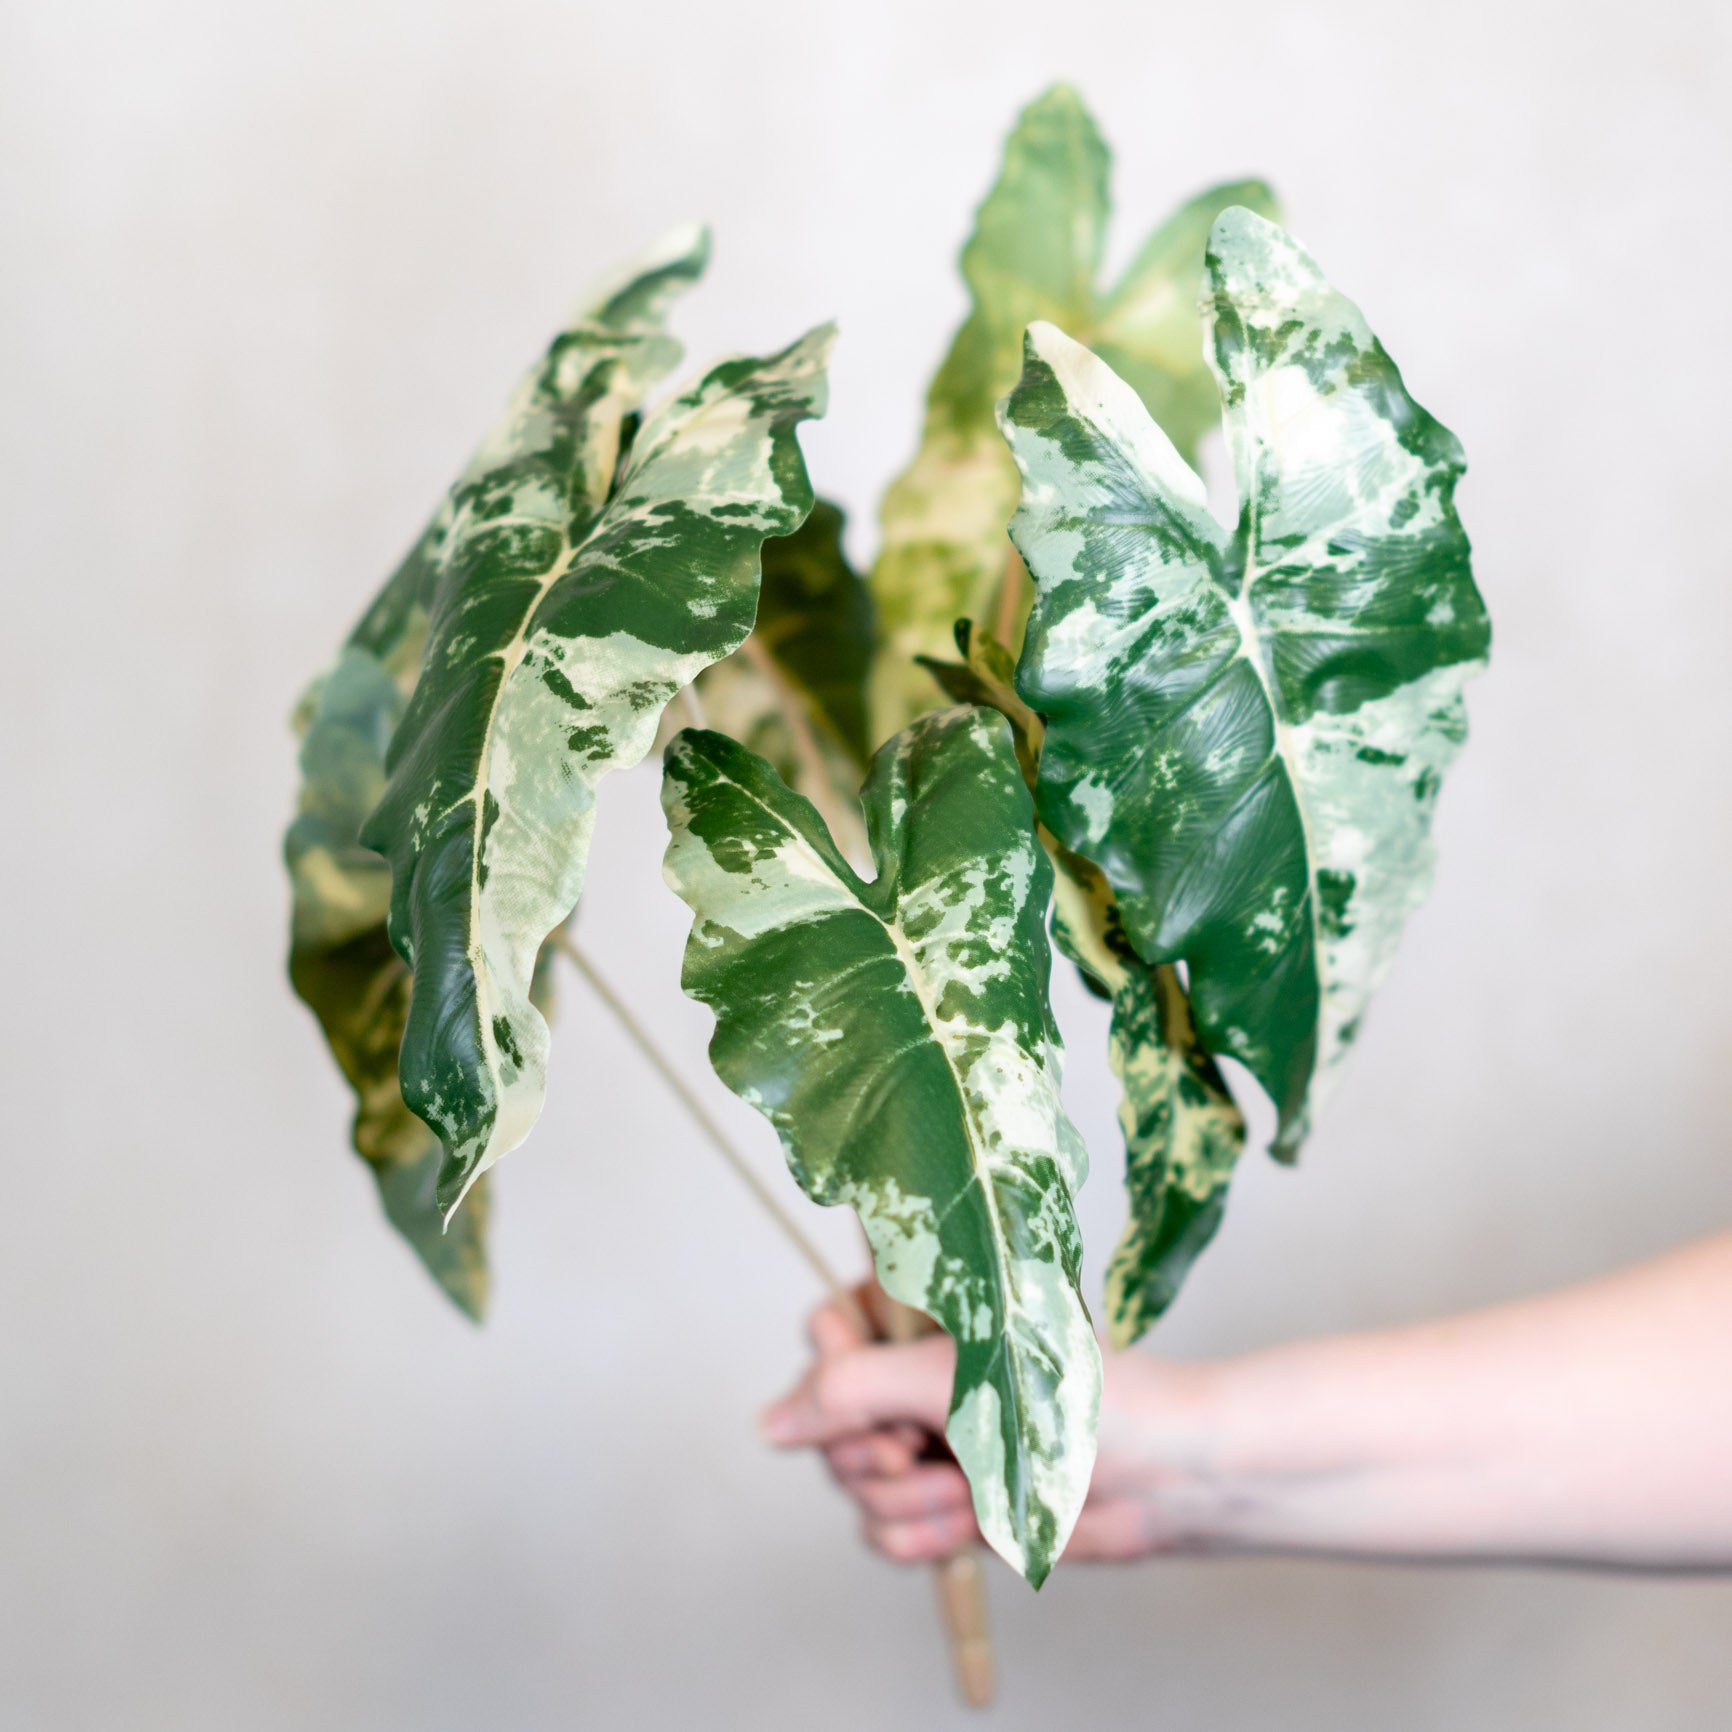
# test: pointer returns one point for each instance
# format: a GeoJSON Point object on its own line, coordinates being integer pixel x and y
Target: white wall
{"type": "Point", "coordinates": [268, 269]}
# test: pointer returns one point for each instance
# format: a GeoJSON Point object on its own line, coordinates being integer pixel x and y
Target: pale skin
{"type": "Point", "coordinates": [1588, 1427]}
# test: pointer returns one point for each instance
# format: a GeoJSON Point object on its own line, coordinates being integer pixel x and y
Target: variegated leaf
{"type": "Point", "coordinates": [896, 1032]}
{"type": "Point", "coordinates": [341, 960]}
{"type": "Point", "coordinates": [1035, 254]}
{"type": "Point", "coordinates": [815, 621]}
{"type": "Point", "coordinates": [342, 964]}
{"type": "Point", "coordinates": [580, 586]}
{"type": "Point", "coordinates": [795, 691]}
{"type": "Point", "coordinates": [1247, 730]}
{"type": "Point", "coordinates": [1183, 1134]}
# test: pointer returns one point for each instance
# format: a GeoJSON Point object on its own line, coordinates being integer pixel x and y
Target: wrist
{"type": "Point", "coordinates": [1172, 1443]}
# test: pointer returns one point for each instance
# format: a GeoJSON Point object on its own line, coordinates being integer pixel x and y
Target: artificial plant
{"type": "Point", "coordinates": [1065, 699]}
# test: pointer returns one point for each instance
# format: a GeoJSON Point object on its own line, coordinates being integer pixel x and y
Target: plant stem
{"type": "Point", "coordinates": [958, 1580]}
{"type": "Point", "coordinates": [693, 705]}
{"type": "Point", "coordinates": [1009, 599]}
{"type": "Point", "coordinates": [663, 1066]}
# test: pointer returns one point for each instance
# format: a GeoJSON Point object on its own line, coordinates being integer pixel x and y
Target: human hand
{"type": "Point", "coordinates": [1589, 1426]}
{"type": "Point", "coordinates": [877, 1414]}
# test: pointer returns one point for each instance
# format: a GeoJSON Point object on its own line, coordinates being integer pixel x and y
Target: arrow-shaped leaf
{"type": "Point", "coordinates": [342, 964]}
{"type": "Point", "coordinates": [579, 588]}
{"type": "Point", "coordinates": [897, 1034]}
{"type": "Point", "coordinates": [1183, 1134]}
{"type": "Point", "coordinates": [1035, 254]}
{"type": "Point", "coordinates": [341, 961]}
{"type": "Point", "coordinates": [1247, 730]}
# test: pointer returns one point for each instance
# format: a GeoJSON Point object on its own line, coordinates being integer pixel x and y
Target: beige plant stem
{"type": "Point", "coordinates": [693, 705]}
{"type": "Point", "coordinates": [664, 1068]}
{"type": "Point", "coordinates": [1011, 588]}
{"type": "Point", "coordinates": [958, 1580]}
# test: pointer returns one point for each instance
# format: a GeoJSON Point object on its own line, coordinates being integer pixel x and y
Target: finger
{"type": "Point", "coordinates": [923, 1540]}
{"type": "Point", "coordinates": [931, 1489]}
{"type": "Point", "coordinates": [871, 1454]}
{"type": "Point", "coordinates": [831, 1330]}
{"type": "Point", "coordinates": [863, 1389]}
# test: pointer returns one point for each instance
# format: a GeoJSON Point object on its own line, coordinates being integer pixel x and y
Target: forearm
{"type": "Point", "coordinates": [1590, 1426]}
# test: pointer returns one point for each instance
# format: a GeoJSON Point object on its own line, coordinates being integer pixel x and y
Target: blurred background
{"type": "Point", "coordinates": [269, 269]}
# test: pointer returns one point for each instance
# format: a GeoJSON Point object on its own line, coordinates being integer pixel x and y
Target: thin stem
{"type": "Point", "coordinates": [663, 1066]}
{"type": "Point", "coordinates": [693, 705]}
{"type": "Point", "coordinates": [1009, 600]}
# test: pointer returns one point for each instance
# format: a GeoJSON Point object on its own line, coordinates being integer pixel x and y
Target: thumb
{"type": "Point", "coordinates": [848, 1392]}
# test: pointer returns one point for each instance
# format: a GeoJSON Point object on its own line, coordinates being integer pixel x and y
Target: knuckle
{"type": "Point", "coordinates": [847, 1460]}
{"type": "Point", "coordinates": [871, 1496]}
{"type": "Point", "coordinates": [900, 1541]}
{"type": "Point", "coordinates": [833, 1387]}
{"type": "Point", "coordinates": [890, 1457]}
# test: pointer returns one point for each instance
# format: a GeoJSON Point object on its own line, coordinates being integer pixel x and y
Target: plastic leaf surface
{"type": "Point", "coordinates": [897, 1033]}
{"type": "Point", "coordinates": [1183, 1134]}
{"type": "Point", "coordinates": [582, 582]}
{"type": "Point", "coordinates": [1247, 730]}
{"type": "Point", "coordinates": [1035, 254]}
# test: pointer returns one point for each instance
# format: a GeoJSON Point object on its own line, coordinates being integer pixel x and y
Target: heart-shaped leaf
{"type": "Point", "coordinates": [897, 1033]}
{"type": "Point", "coordinates": [1247, 730]}
{"type": "Point", "coordinates": [1035, 254]}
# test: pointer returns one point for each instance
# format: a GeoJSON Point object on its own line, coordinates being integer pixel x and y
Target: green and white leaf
{"type": "Point", "coordinates": [1247, 730]}
{"type": "Point", "coordinates": [342, 964]}
{"type": "Point", "coordinates": [897, 1033]}
{"type": "Point", "coordinates": [815, 621]}
{"type": "Point", "coordinates": [795, 691]}
{"type": "Point", "coordinates": [986, 675]}
{"type": "Point", "coordinates": [582, 582]}
{"type": "Point", "coordinates": [1035, 254]}
{"type": "Point", "coordinates": [341, 960]}
{"type": "Point", "coordinates": [1183, 1134]}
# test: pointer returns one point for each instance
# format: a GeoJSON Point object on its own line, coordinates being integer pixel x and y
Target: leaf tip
{"type": "Point", "coordinates": [816, 348]}
{"type": "Point", "coordinates": [448, 1210]}
{"type": "Point", "coordinates": [1243, 244]}
{"type": "Point", "coordinates": [1060, 101]}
